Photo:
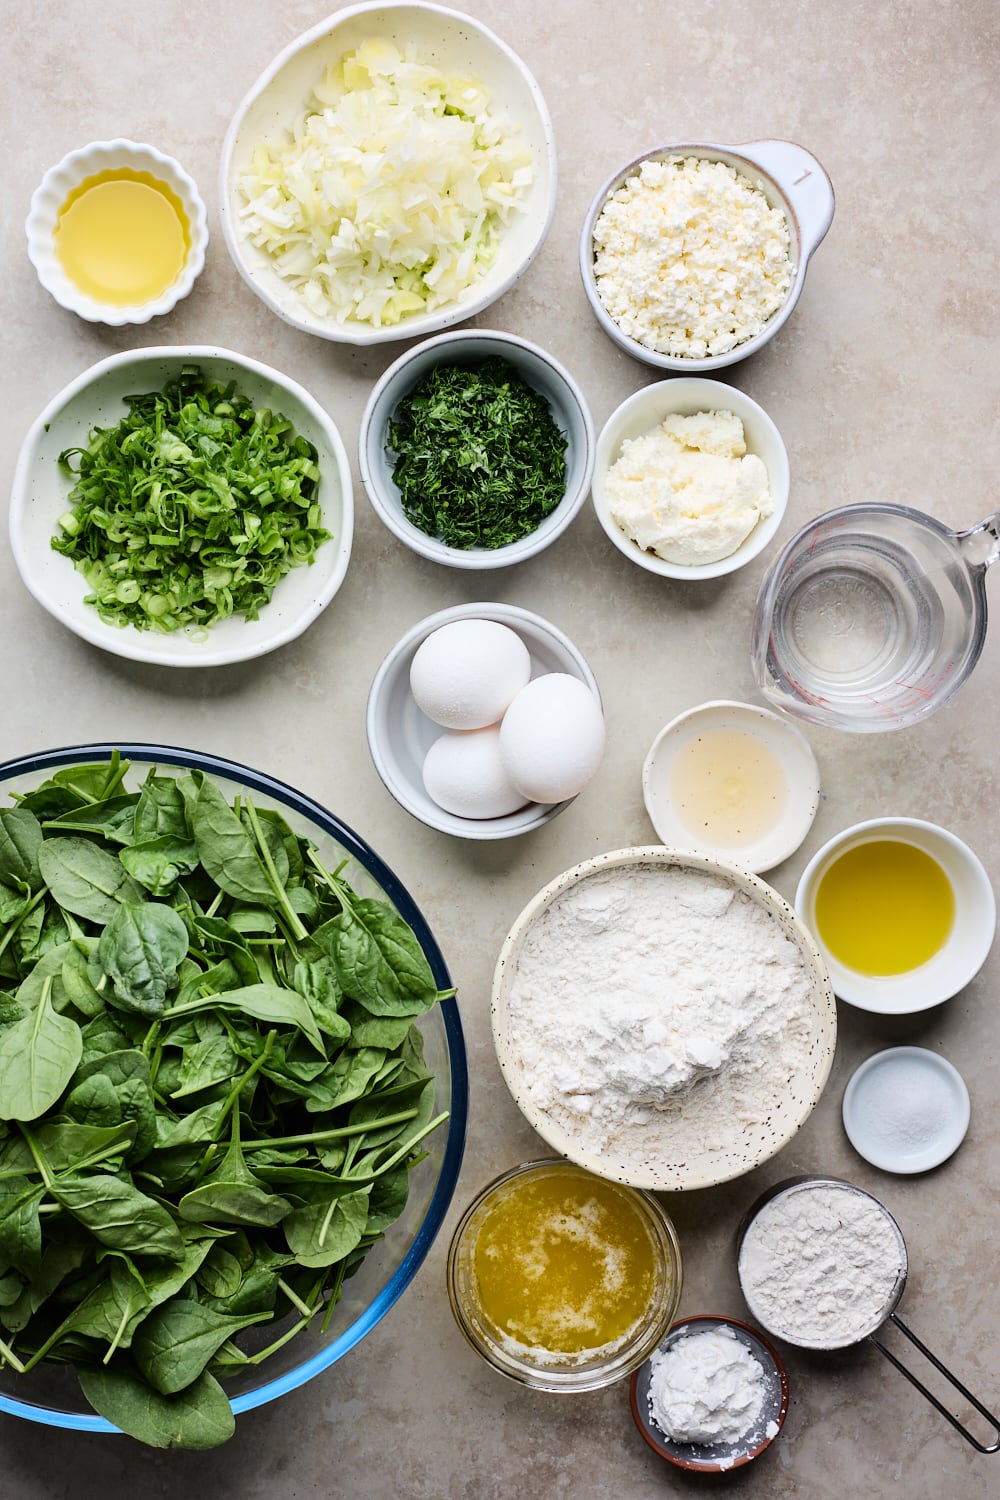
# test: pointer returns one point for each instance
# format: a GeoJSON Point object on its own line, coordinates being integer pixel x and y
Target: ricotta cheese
{"type": "Point", "coordinates": [690, 258]}
{"type": "Point", "coordinates": [688, 491]}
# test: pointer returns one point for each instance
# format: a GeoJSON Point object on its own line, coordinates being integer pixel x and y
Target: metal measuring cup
{"type": "Point", "coordinates": [872, 616]}
{"type": "Point", "coordinates": [893, 1278]}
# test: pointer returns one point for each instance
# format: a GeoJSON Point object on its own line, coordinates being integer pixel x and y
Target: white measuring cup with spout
{"type": "Point", "coordinates": [872, 616]}
{"type": "Point", "coordinates": [886, 1264]}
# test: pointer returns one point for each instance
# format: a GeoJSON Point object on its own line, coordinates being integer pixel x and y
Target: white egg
{"type": "Point", "coordinates": [552, 738]}
{"type": "Point", "coordinates": [464, 674]}
{"type": "Point", "coordinates": [463, 773]}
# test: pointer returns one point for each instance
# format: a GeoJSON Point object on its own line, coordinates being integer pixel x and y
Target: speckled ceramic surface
{"type": "Point", "coordinates": [679, 1152]}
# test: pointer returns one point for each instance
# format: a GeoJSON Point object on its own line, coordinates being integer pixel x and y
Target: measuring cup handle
{"type": "Point", "coordinates": [981, 543]}
{"type": "Point", "coordinates": [994, 1422]}
{"type": "Point", "coordinates": [804, 183]}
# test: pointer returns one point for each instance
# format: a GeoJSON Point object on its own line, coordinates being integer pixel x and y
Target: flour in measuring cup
{"type": "Point", "coordinates": [819, 1264]}
{"type": "Point", "coordinates": [658, 1009]}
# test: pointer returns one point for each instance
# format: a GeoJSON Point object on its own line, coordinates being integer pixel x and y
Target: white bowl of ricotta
{"type": "Point", "coordinates": [392, 172]}
{"type": "Point", "coordinates": [663, 1018]}
{"type": "Point", "coordinates": [690, 478]}
{"type": "Point", "coordinates": [693, 255]}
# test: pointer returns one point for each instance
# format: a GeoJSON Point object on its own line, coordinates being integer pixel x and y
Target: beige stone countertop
{"type": "Point", "coordinates": [885, 385]}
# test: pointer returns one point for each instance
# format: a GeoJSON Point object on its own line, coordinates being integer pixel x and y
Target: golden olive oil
{"type": "Point", "coordinates": [884, 907]}
{"type": "Point", "coordinates": [728, 787]}
{"type": "Point", "coordinates": [565, 1264]}
{"type": "Point", "coordinates": [122, 237]}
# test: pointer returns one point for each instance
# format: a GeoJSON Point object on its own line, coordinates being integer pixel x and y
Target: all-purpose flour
{"type": "Point", "coordinates": [819, 1264]}
{"type": "Point", "coordinates": [658, 1011]}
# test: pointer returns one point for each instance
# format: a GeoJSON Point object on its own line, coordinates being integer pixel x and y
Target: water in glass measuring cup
{"type": "Point", "coordinates": [872, 616]}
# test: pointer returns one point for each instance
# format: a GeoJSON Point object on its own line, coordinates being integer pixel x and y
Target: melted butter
{"type": "Point", "coordinates": [728, 787]}
{"type": "Point", "coordinates": [884, 907]}
{"type": "Point", "coordinates": [565, 1263]}
{"type": "Point", "coordinates": [122, 237]}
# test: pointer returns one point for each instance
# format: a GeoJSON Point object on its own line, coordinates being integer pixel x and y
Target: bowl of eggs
{"type": "Point", "coordinates": [485, 721]}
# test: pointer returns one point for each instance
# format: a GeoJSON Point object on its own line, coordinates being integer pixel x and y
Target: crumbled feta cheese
{"type": "Point", "coordinates": [688, 491]}
{"type": "Point", "coordinates": [690, 258]}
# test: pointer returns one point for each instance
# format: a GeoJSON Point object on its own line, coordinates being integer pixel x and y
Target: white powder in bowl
{"type": "Point", "coordinates": [820, 1264]}
{"type": "Point", "coordinates": [706, 1387]}
{"type": "Point", "coordinates": [665, 1022]}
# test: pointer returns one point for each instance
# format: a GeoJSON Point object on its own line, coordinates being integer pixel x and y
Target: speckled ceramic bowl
{"type": "Point", "coordinates": [453, 41]}
{"type": "Point", "coordinates": [50, 196]}
{"type": "Point", "coordinates": [724, 1122]}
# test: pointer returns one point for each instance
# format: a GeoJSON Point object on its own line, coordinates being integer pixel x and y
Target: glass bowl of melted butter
{"type": "Point", "coordinates": [563, 1280]}
{"type": "Point", "coordinates": [117, 232]}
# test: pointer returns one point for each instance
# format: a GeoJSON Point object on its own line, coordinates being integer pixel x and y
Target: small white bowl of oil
{"type": "Point", "coordinates": [734, 781]}
{"type": "Point", "coordinates": [117, 232]}
{"type": "Point", "coordinates": [902, 910]}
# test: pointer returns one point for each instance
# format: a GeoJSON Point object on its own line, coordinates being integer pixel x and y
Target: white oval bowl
{"type": "Point", "coordinates": [279, 97]}
{"type": "Point", "coordinates": [536, 368]}
{"type": "Point", "coordinates": [790, 749]}
{"type": "Point", "coordinates": [399, 734]}
{"type": "Point", "coordinates": [641, 413]}
{"type": "Point", "coordinates": [791, 180]}
{"type": "Point", "coordinates": [41, 490]}
{"type": "Point", "coordinates": [52, 192]}
{"type": "Point", "coordinates": [964, 952]}
{"type": "Point", "coordinates": [677, 1155]}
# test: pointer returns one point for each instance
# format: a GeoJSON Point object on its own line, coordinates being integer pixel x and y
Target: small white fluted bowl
{"type": "Point", "coordinates": [644, 411]}
{"type": "Point", "coordinates": [52, 193]}
{"type": "Point", "coordinates": [456, 42]}
{"type": "Point", "coordinates": [472, 347]}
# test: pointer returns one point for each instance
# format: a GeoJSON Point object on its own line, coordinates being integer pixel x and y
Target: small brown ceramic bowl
{"type": "Point", "coordinates": [715, 1458]}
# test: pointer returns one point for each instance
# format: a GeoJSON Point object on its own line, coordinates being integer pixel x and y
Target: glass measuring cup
{"type": "Point", "coordinates": [825, 1274]}
{"type": "Point", "coordinates": [872, 616]}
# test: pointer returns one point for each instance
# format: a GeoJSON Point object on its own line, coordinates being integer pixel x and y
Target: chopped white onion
{"type": "Point", "coordinates": [390, 195]}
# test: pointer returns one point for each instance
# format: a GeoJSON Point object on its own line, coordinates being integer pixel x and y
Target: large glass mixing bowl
{"type": "Point", "coordinates": [50, 1393]}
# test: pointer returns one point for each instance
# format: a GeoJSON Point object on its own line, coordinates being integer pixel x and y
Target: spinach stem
{"type": "Point", "coordinates": [335, 1134]}
{"type": "Point", "coordinates": [291, 916]}
{"type": "Point", "coordinates": [16, 924]}
{"type": "Point", "coordinates": [10, 1358]}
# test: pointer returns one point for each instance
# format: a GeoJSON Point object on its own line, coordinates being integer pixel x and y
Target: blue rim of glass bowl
{"type": "Point", "coordinates": [407, 908]}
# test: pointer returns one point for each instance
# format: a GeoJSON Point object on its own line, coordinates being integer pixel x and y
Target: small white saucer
{"type": "Point", "coordinates": [786, 745]}
{"type": "Point", "coordinates": [906, 1109]}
